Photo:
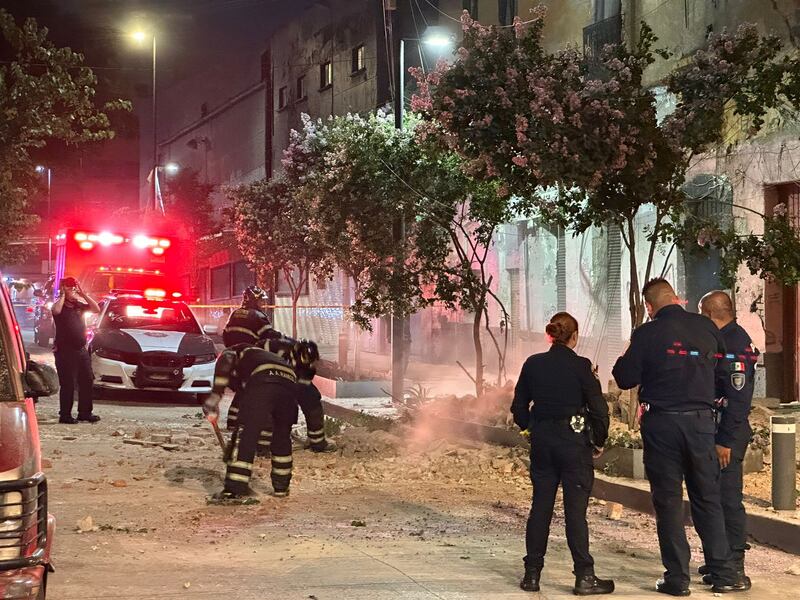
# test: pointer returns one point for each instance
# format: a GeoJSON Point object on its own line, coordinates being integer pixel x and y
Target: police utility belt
{"type": "Point", "coordinates": [576, 422]}
{"type": "Point", "coordinates": [650, 409]}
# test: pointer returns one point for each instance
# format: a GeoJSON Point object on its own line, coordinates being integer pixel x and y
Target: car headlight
{"type": "Point", "coordinates": [110, 354]}
{"type": "Point", "coordinates": [204, 359]}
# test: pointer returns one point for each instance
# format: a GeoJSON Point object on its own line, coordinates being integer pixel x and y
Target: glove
{"type": "Point", "coordinates": [211, 405]}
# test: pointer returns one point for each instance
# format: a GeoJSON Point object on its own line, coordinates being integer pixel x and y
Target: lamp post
{"type": "Point", "coordinates": [140, 37]}
{"type": "Point", "coordinates": [42, 169]}
{"type": "Point", "coordinates": [435, 37]}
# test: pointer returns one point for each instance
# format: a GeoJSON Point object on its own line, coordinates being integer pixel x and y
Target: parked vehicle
{"type": "Point", "coordinates": [146, 343]}
{"type": "Point", "coordinates": [26, 528]}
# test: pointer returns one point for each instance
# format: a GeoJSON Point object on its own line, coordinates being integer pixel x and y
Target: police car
{"type": "Point", "coordinates": [141, 342]}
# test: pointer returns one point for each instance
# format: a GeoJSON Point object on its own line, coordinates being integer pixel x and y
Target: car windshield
{"type": "Point", "coordinates": [150, 314]}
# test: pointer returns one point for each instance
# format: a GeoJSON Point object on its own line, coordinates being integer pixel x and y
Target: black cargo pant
{"type": "Point", "coordinates": [264, 405]}
{"type": "Point", "coordinates": [680, 446]}
{"type": "Point", "coordinates": [733, 502]}
{"type": "Point", "coordinates": [559, 456]}
{"type": "Point", "coordinates": [310, 401]}
{"type": "Point", "coordinates": [74, 368]}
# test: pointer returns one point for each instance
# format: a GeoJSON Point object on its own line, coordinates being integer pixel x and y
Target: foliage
{"type": "Point", "coordinates": [624, 438]}
{"type": "Point", "coordinates": [188, 201]}
{"type": "Point", "coordinates": [46, 94]}
{"type": "Point", "coordinates": [585, 150]}
{"type": "Point", "coordinates": [273, 234]}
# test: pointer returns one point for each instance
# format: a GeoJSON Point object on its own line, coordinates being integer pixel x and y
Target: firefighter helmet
{"type": "Point", "coordinates": [254, 297]}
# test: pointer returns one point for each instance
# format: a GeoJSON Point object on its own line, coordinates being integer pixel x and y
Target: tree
{"type": "Point", "coordinates": [272, 231]}
{"type": "Point", "coordinates": [581, 142]}
{"type": "Point", "coordinates": [189, 204]}
{"type": "Point", "coordinates": [46, 94]}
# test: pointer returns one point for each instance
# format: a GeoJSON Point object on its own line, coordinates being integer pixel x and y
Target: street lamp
{"type": "Point", "coordinates": [41, 169]}
{"type": "Point", "coordinates": [140, 37]}
{"type": "Point", "coordinates": [439, 38]}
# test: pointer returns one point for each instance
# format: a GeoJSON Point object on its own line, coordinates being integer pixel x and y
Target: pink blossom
{"type": "Point", "coordinates": [519, 160]}
{"type": "Point", "coordinates": [779, 210]}
{"type": "Point", "coordinates": [519, 28]}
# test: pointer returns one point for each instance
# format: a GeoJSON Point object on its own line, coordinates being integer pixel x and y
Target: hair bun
{"type": "Point", "coordinates": [554, 330]}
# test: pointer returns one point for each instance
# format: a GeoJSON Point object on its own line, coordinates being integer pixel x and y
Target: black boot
{"type": "Point", "coordinates": [530, 582]}
{"type": "Point", "coordinates": [589, 585]}
{"type": "Point", "coordinates": [741, 583]}
{"type": "Point", "coordinates": [671, 589]}
{"type": "Point", "coordinates": [704, 570]}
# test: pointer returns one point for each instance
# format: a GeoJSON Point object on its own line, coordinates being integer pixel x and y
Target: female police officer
{"type": "Point", "coordinates": [556, 396]}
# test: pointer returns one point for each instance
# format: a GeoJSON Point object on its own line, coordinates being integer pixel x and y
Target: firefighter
{"type": "Point", "coordinates": [267, 386]}
{"type": "Point", "coordinates": [309, 397]}
{"type": "Point", "coordinates": [247, 325]}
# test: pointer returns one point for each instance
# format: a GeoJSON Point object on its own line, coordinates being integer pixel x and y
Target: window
{"type": "Point", "coordinates": [282, 286]}
{"type": "Point", "coordinates": [325, 75]}
{"type": "Point", "coordinates": [358, 63]}
{"type": "Point", "coordinates": [221, 282]}
{"type": "Point", "coordinates": [300, 88]}
{"type": "Point", "coordinates": [283, 97]}
{"type": "Point", "coordinates": [471, 6]}
{"type": "Point", "coordinates": [605, 9]}
{"type": "Point", "coordinates": [243, 277]}
{"type": "Point", "coordinates": [506, 11]}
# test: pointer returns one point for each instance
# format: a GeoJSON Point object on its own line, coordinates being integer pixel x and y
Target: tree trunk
{"type": "Point", "coordinates": [295, 299]}
{"type": "Point", "coordinates": [476, 340]}
{"type": "Point", "coordinates": [635, 304]}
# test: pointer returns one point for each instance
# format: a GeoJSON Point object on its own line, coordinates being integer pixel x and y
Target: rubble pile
{"type": "Point", "coordinates": [491, 408]}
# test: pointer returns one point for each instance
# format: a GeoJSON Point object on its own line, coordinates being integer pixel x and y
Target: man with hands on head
{"type": "Point", "coordinates": [73, 362]}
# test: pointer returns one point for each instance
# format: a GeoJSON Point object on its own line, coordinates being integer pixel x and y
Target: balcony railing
{"type": "Point", "coordinates": [596, 37]}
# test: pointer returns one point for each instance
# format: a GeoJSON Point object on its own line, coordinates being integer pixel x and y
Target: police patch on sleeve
{"type": "Point", "coordinates": [738, 380]}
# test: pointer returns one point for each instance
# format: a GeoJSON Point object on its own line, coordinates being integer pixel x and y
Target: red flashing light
{"type": "Point", "coordinates": [86, 245]}
{"type": "Point", "coordinates": [670, 351]}
{"type": "Point", "coordinates": [677, 344]}
{"type": "Point", "coordinates": [141, 241]}
{"type": "Point", "coordinates": [683, 353]}
{"type": "Point", "coordinates": [81, 237]}
{"type": "Point", "coordinates": [155, 293]}
{"type": "Point", "coordinates": [176, 294]}
{"type": "Point", "coordinates": [164, 243]}
{"type": "Point", "coordinates": [158, 250]}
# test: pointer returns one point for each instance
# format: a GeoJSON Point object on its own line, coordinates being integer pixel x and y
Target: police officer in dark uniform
{"type": "Point", "coordinates": [247, 325]}
{"type": "Point", "coordinates": [675, 360]}
{"type": "Point", "coordinates": [736, 381]}
{"type": "Point", "coordinates": [267, 385]}
{"type": "Point", "coordinates": [562, 388]}
{"type": "Point", "coordinates": [73, 362]}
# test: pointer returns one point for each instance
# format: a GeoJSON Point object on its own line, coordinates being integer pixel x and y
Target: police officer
{"type": "Point", "coordinates": [267, 386]}
{"type": "Point", "coordinates": [561, 386]}
{"type": "Point", "coordinates": [674, 360]}
{"type": "Point", "coordinates": [736, 383]}
{"type": "Point", "coordinates": [73, 362]}
{"type": "Point", "coordinates": [247, 325]}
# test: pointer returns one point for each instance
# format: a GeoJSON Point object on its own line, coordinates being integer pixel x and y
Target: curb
{"type": "Point", "coordinates": [763, 528]}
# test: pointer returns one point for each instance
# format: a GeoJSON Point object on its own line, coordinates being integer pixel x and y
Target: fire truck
{"type": "Point", "coordinates": [105, 260]}
{"type": "Point", "coordinates": [102, 261]}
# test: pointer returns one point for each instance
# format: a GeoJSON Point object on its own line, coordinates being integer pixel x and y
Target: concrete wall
{"type": "Point", "coordinates": [325, 33]}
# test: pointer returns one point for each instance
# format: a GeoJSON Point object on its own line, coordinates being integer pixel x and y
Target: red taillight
{"type": "Point", "coordinates": [155, 293]}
